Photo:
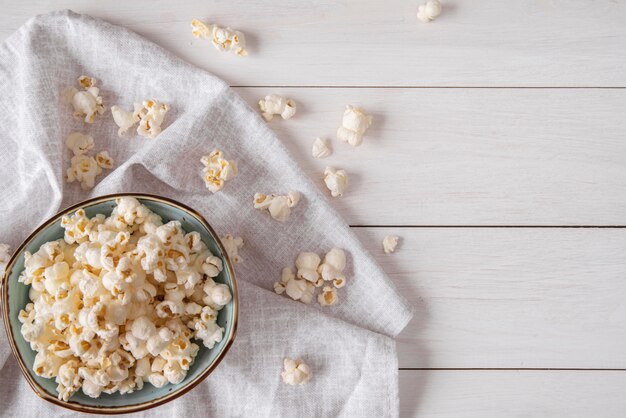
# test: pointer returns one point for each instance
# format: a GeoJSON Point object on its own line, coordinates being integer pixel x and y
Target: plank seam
{"type": "Point", "coordinates": [496, 226]}
{"type": "Point", "coordinates": [392, 87]}
{"type": "Point", "coordinates": [511, 369]}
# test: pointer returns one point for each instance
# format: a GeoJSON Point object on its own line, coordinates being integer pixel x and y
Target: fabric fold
{"type": "Point", "coordinates": [349, 346]}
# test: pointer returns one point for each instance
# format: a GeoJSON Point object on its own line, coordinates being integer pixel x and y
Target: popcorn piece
{"type": "Point", "coordinates": [281, 285]}
{"type": "Point", "coordinates": [429, 11]}
{"type": "Point", "coordinates": [217, 170]}
{"type": "Point", "coordinates": [328, 296]}
{"type": "Point", "coordinates": [300, 290]}
{"type": "Point", "coordinates": [279, 207]}
{"type": "Point", "coordinates": [4, 258]}
{"type": "Point", "coordinates": [83, 169]}
{"type": "Point", "coordinates": [354, 124]}
{"type": "Point", "coordinates": [107, 308]}
{"type": "Point", "coordinates": [79, 143]}
{"type": "Point", "coordinates": [104, 160]}
{"type": "Point", "coordinates": [232, 247]}
{"type": "Point", "coordinates": [223, 39]}
{"type": "Point", "coordinates": [336, 181]}
{"type": "Point", "coordinates": [274, 104]}
{"type": "Point", "coordinates": [150, 116]}
{"type": "Point", "coordinates": [296, 372]}
{"type": "Point", "coordinates": [86, 102]}
{"type": "Point", "coordinates": [307, 264]}
{"type": "Point", "coordinates": [320, 149]}
{"type": "Point", "coordinates": [125, 119]}
{"type": "Point", "coordinates": [390, 242]}
{"type": "Point", "coordinates": [334, 265]}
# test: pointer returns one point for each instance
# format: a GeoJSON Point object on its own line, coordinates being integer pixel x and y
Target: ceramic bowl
{"type": "Point", "coordinates": [15, 297]}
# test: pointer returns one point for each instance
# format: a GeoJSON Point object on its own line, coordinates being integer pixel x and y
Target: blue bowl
{"type": "Point", "coordinates": [15, 297]}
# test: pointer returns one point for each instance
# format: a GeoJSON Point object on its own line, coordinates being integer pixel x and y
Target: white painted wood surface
{"type": "Point", "coordinates": [343, 42]}
{"type": "Point", "coordinates": [512, 393]}
{"type": "Point", "coordinates": [532, 153]}
{"type": "Point", "coordinates": [470, 156]}
{"type": "Point", "coordinates": [509, 297]}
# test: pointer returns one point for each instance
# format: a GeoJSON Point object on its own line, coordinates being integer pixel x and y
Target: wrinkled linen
{"type": "Point", "coordinates": [349, 346]}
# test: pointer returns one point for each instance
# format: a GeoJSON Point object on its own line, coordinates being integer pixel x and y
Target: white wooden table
{"type": "Point", "coordinates": [498, 153]}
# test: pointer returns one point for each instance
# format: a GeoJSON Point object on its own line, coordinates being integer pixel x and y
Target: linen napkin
{"type": "Point", "coordinates": [349, 346]}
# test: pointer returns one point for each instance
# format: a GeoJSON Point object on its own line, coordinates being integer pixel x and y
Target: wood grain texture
{"type": "Point", "coordinates": [487, 394]}
{"type": "Point", "coordinates": [470, 156]}
{"type": "Point", "coordinates": [509, 298]}
{"type": "Point", "coordinates": [342, 42]}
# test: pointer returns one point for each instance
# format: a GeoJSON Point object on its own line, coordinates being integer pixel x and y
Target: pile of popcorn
{"type": "Point", "coordinates": [119, 300]}
{"type": "Point", "coordinates": [312, 273]}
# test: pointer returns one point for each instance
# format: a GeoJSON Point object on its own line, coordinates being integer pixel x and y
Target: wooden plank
{"type": "Point", "coordinates": [469, 157]}
{"type": "Point", "coordinates": [509, 297]}
{"type": "Point", "coordinates": [482, 394]}
{"type": "Point", "coordinates": [478, 43]}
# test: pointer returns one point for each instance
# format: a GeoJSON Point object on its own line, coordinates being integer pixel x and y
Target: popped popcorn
{"type": "Point", "coordinates": [125, 119]}
{"type": "Point", "coordinates": [104, 160]}
{"type": "Point", "coordinates": [232, 246]}
{"type": "Point", "coordinates": [79, 143]}
{"type": "Point", "coordinates": [311, 274]}
{"type": "Point", "coordinates": [85, 168]}
{"type": "Point", "coordinates": [320, 149]}
{"type": "Point", "coordinates": [217, 170]}
{"type": "Point", "coordinates": [279, 207]}
{"type": "Point", "coordinates": [88, 101]}
{"type": "Point", "coordinates": [150, 115]}
{"type": "Point", "coordinates": [273, 104]}
{"type": "Point", "coordinates": [118, 301]}
{"type": "Point", "coordinates": [223, 39]}
{"type": "Point", "coordinates": [296, 372]}
{"type": "Point", "coordinates": [390, 242]}
{"type": "Point", "coordinates": [429, 11]}
{"type": "Point", "coordinates": [307, 264]}
{"type": "Point", "coordinates": [354, 124]}
{"type": "Point", "coordinates": [336, 181]}
{"type": "Point", "coordinates": [328, 296]}
{"type": "Point", "coordinates": [4, 258]}
{"type": "Point", "coordinates": [333, 266]}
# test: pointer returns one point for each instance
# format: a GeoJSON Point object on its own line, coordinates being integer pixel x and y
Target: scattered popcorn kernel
{"type": "Point", "coordinates": [354, 124]}
{"type": "Point", "coordinates": [274, 104]}
{"type": "Point", "coordinates": [296, 372]}
{"type": "Point", "coordinates": [232, 247]}
{"type": "Point", "coordinates": [79, 143]}
{"type": "Point", "coordinates": [334, 265]}
{"type": "Point", "coordinates": [429, 11]}
{"type": "Point", "coordinates": [223, 39]}
{"type": "Point", "coordinates": [279, 207]}
{"type": "Point", "coordinates": [125, 119]}
{"type": "Point", "coordinates": [307, 295]}
{"type": "Point", "coordinates": [320, 149]}
{"type": "Point", "coordinates": [104, 160]}
{"type": "Point", "coordinates": [83, 169]}
{"type": "Point", "coordinates": [336, 181]}
{"type": "Point", "coordinates": [217, 170]}
{"type": "Point", "coordinates": [279, 288]}
{"type": "Point", "coordinates": [390, 242]}
{"type": "Point", "coordinates": [118, 300]}
{"type": "Point", "coordinates": [4, 258]}
{"type": "Point", "coordinates": [339, 282]}
{"type": "Point", "coordinates": [328, 296]}
{"type": "Point", "coordinates": [150, 116]}
{"type": "Point", "coordinates": [86, 102]}
{"type": "Point", "coordinates": [307, 264]}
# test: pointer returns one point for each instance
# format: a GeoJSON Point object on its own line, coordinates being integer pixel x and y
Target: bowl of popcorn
{"type": "Point", "coordinates": [119, 304]}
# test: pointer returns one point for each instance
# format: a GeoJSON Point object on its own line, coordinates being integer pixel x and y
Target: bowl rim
{"type": "Point", "coordinates": [124, 409]}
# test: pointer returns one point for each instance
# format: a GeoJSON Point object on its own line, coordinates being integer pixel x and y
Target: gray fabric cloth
{"type": "Point", "coordinates": [349, 346]}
